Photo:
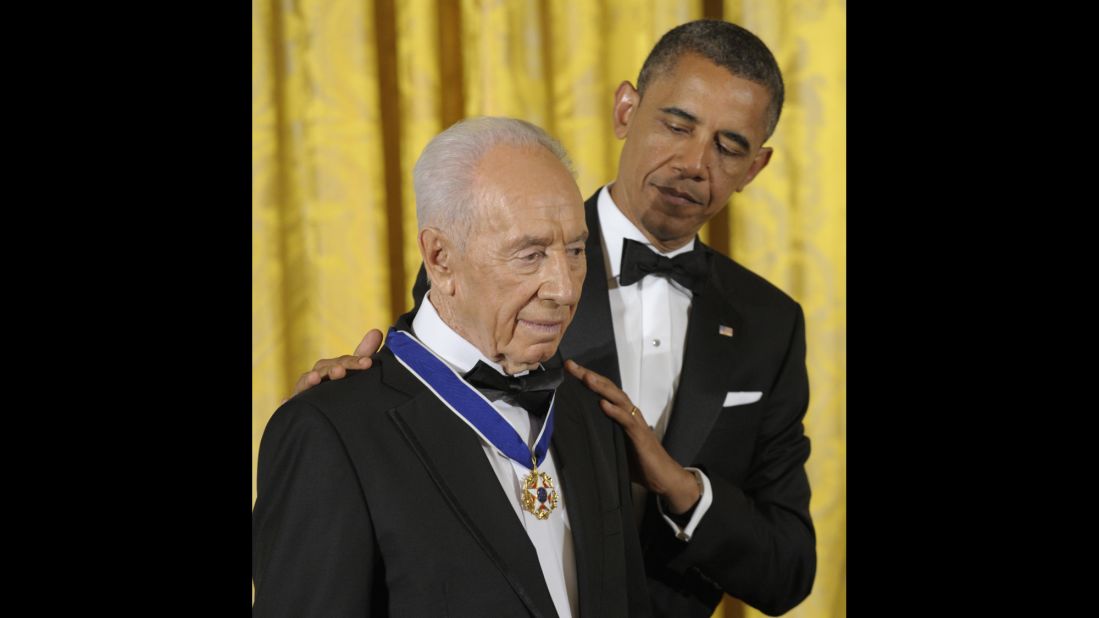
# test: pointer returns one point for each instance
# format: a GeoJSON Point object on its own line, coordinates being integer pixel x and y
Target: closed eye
{"type": "Point", "coordinates": [726, 151]}
{"type": "Point", "coordinates": [676, 128]}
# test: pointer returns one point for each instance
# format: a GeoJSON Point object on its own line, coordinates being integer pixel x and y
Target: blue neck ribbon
{"type": "Point", "coordinates": [467, 402]}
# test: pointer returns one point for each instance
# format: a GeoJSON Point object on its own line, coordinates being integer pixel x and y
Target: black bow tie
{"type": "Point", "coordinates": [532, 391]}
{"type": "Point", "coordinates": [688, 269]}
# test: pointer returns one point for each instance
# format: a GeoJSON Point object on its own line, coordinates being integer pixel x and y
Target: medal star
{"type": "Point", "coordinates": [539, 496]}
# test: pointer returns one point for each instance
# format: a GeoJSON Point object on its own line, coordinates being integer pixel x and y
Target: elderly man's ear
{"type": "Point", "coordinates": [438, 253]}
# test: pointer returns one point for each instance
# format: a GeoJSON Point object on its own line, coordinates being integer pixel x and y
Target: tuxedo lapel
{"type": "Point", "coordinates": [456, 462]}
{"type": "Point", "coordinates": [589, 340]}
{"type": "Point", "coordinates": [701, 392]}
{"type": "Point", "coordinates": [573, 456]}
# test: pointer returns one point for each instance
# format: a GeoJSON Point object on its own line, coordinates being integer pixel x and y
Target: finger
{"type": "Point", "coordinates": [628, 417]}
{"type": "Point", "coordinates": [323, 364]}
{"type": "Point", "coordinates": [598, 384]}
{"type": "Point", "coordinates": [586, 376]}
{"type": "Point", "coordinates": [307, 380]}
{"type": "Point", "coordinates": [354, 363]}
{"type": "Point", "coordinates": [576, 369]}
{"type": "Point", "coordinates": [581, 371]}
{"type": "Point", "coordinates": [615, 401]}
{"type": "Point", "coordinates": [608, 390]}
{"type": "Point", "coordinates": [616, 413]}
{"type": "Point", "coordinates": [337, 369]}
{"type": "Point", "coordinates": [369, 345]}
{"type": "Point", "coordinates": [347, 361]}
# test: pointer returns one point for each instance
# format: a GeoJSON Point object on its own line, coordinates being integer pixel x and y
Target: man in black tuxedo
{"type": "Point", "coordinates": [457, 478]}
{"type": "Point", "coordinates": [710, 356]}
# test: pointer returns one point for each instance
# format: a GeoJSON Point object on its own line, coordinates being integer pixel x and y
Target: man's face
{"type": "Point", "coordinates": [518, 281]}
{"type": "Point", "coordinates": [694, 138]}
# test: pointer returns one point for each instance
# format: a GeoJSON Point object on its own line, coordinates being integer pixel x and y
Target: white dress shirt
{"type": "Point", "coordinates": [552, 537]}
{"type": "Point", "coordinates": [650, 329]}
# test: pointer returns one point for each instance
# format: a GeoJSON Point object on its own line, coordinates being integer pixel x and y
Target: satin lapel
{"type": "Point", "coordinates": [573, 455]}
{"type": "Point", "coordinates": [707, 354]}
{"type": "Point", "coordinates": [589, 340]}
{"type": "Point", "coordinates": [454, 458]}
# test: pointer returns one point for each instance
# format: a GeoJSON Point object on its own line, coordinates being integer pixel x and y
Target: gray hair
{"type": "Point", "coordinates": [444, 173]}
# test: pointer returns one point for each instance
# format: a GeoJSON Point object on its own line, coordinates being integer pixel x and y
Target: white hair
{"type": "Point", "coordinates": [444, 173]}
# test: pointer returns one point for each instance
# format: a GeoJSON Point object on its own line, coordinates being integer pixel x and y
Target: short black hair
{"type": "Point", "coordinates": [726, 45]}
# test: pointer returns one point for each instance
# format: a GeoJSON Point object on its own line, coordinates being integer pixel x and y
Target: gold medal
{"type": "Point", "coordinates": [539, 495]}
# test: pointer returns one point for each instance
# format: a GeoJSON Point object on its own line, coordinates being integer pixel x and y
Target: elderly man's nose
{"type": "Point", "coordinates": [558, 284]}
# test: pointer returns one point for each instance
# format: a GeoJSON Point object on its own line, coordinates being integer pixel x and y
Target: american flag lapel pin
{"type": "Point", "coordinates": [726, 331]}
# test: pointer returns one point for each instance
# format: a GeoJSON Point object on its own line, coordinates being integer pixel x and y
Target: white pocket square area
{"type": "Point", "coordinates": [739, 398]}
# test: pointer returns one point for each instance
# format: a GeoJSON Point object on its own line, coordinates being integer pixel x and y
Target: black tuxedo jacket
{"type": "Point", "coordinates": [375, 499]}
{"type": "Point", "coordinates": [757, 541]}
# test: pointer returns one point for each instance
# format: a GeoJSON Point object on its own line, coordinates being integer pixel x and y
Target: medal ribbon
{"type": "Point", "coordinates": [467, 402]}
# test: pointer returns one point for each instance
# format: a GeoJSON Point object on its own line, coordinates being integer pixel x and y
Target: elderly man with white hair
{"type": "Point", "coordinates": [467, 474]}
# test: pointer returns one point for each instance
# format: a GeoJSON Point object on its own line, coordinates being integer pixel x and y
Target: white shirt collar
{"type": "Point", "coordinates": [448, 345]}
{"type": "Point", "coordinates": [616, 226]}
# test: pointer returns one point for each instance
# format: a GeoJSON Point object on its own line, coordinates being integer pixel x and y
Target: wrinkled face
{"type": "Point", "coordinates": [518, 281]}
{"type": "Point", "coordinates": [694, 138]}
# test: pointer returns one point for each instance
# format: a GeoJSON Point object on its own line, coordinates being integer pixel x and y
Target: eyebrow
{"type": "Point", "coordinates": [689, 117]}
{"type": "Point", "coordinates": [529, 240]}
{"type": "Point", "coordinates": [675, 111]}
{"type": "Point", "coordinates": [542, 241]}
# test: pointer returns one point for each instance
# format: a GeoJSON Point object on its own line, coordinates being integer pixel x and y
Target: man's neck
{"type": "Point", "coordinates": [618, 196]}
{"type": "Point", "coordinates": [449, 317]}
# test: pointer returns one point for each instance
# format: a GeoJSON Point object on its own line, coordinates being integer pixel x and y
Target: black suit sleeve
{"type": "Point", "coordinates": [757, 542]}
{"type": "Point", "coordinates": [313, 548]}
{"type": "Point", "coordinates": [637, 591]}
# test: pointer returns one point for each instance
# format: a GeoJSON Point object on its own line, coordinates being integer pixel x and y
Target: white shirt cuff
{"type": "Point", "coordinates": [684, 534]}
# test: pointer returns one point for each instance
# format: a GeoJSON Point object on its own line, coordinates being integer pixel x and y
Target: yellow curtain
{"type": "Point", "coordinates": [789, 225]}
{"type": "Point", "coordinates": [345, 94]}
